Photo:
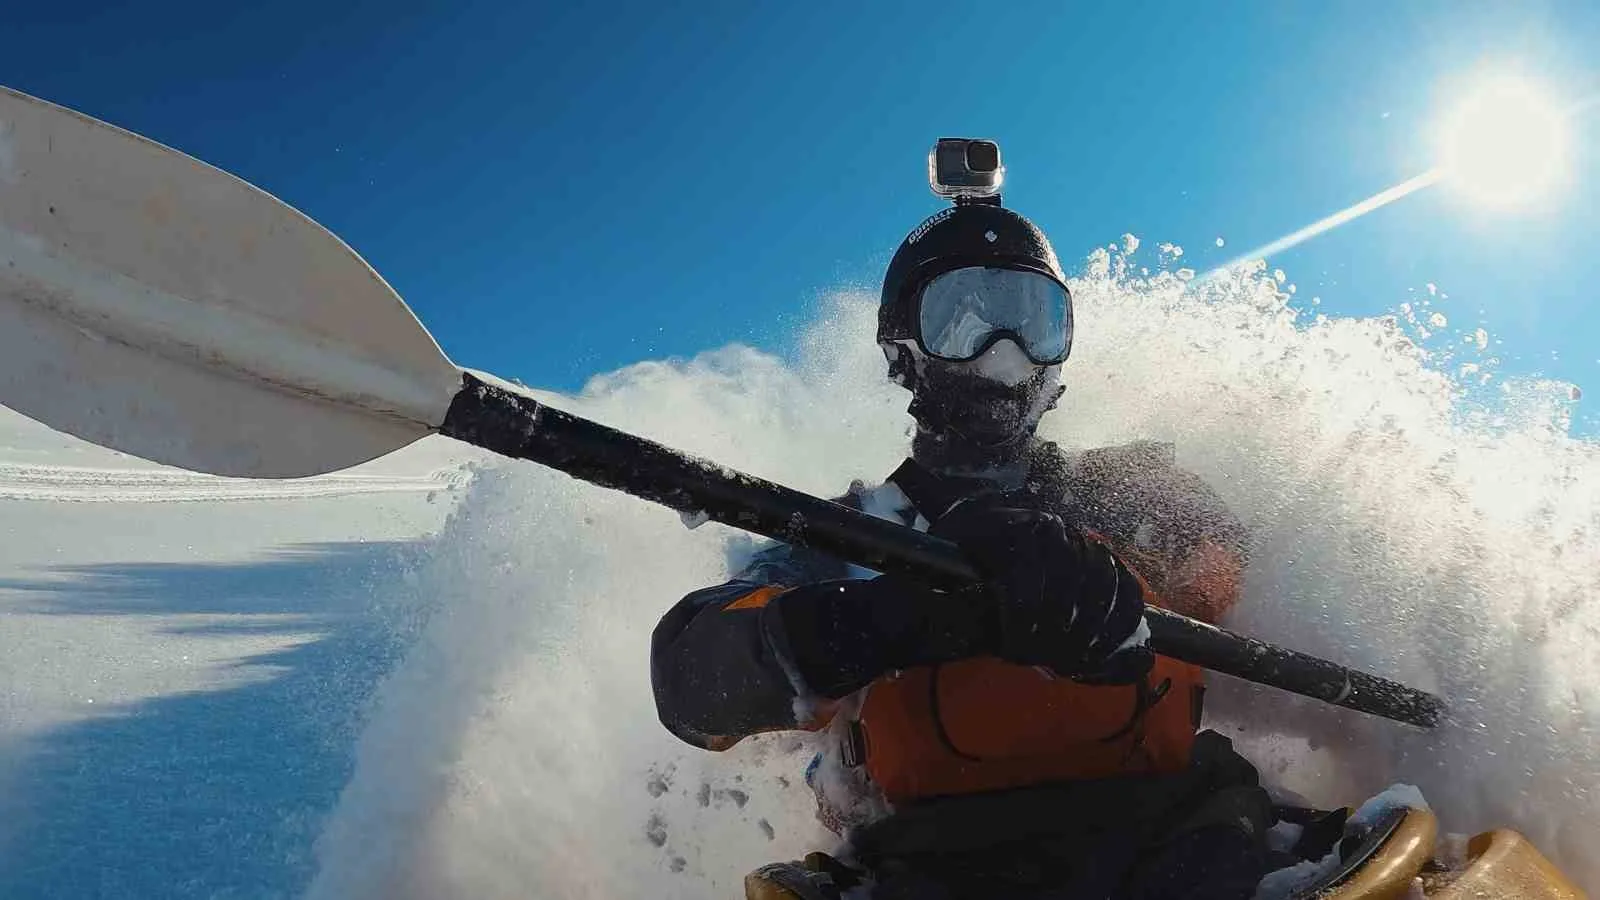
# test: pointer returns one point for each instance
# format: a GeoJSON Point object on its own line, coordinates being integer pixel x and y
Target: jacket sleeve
{"type": "Point", "coordinates": [717, 666]}
{"type": "Point", "coordinates": [1206, 557]}
{"type": "Point", "coordinates": [1167, 524]}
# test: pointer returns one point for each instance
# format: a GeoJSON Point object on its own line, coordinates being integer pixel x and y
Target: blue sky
{"type": "Point", "coordinates": [559, 189]}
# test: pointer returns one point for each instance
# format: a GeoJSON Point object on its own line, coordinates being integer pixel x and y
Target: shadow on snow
{"type": "Point", "coordinates": [211, 793]}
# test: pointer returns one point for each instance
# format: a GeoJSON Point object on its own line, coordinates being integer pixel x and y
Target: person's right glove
{"type": "Point", "coordinates": [1062, 600]}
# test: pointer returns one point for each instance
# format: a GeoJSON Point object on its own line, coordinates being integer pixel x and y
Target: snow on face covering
{"type": "Point", "coordinates": [991, 403]}
{"type": "Point", "coordinates": [1406, 522]}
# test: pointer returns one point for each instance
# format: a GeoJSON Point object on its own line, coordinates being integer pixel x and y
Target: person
{"type": "Point", "coordinates": [1017, 738]}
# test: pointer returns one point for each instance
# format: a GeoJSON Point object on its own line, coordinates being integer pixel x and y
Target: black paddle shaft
{"type": "Point", "coordinates": [516, 425]}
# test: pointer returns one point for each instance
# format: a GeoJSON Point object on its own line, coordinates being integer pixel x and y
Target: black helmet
{"type": "Point", "coordinates": [968, 234]}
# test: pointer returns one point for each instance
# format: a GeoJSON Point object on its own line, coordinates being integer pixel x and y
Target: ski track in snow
{"type": "Point", "coordinates": [21, 481]}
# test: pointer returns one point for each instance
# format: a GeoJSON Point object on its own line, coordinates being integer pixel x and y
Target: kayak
{"type": "Point", "coordinates": [1401, 857]}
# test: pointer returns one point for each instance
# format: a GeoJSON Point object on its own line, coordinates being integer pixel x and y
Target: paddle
{"type": "Point", "coordinates": [158, 306]}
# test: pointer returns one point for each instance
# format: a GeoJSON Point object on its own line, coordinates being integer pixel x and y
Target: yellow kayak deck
{"type": "Point", "coordinates": [1399, 860]}
{"type": "Point", "coordinates": [1498, 865]}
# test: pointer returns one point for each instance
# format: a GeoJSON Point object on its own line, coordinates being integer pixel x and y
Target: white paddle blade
{"type": "Point", "coordinates": [155, 305]}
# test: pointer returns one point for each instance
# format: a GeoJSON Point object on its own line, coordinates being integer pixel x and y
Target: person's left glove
{"type": "Point", "coordinates": [841, 635]}
{"type": "Point", "coordinates": [1062, 600]}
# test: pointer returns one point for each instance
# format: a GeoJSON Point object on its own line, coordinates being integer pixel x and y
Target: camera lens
{"type": "Point", "coordinates": [983, 156]}
{"type": "Point", "coordinates": [950, 155]}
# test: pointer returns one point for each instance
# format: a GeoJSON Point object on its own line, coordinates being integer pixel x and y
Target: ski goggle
{"type": "Point", "coordinates": [963, 312]}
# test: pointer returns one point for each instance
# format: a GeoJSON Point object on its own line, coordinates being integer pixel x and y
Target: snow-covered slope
{"type": "Point", "coordinates": [180, 657]}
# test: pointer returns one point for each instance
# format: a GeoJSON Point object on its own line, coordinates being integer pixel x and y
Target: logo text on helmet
{"type": "Point", "coordinates": [927, 226]}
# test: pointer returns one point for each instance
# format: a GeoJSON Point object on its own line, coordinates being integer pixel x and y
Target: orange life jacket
{"type": "Point", "coordinates": [984, 724]}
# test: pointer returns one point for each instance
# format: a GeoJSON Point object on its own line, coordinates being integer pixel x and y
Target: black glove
{"type": "Point", "coordinates": [1062, 601]}
{"type": "Point", "coordinates": [842, 635]}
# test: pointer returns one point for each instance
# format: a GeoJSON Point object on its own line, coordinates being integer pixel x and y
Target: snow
{"type": "Point", "coordinates": [886, 500]}
{"type": "Point", "coordinates": [1396, 796]}
{"type": "Point", "coordinates": [1006, 363]}
{"type": "Point", "coordinates": [1284, 835]}
{"type": "Point", "coordinates": [8, 155]}
{"type": "Point", "coordinates": [1139, 637]}
{"type": "Point", "coordinates": [367, 694]}
{"type": "Point", "coordinates": [1285, 883]}
{"type": "Point", "coordinates": [180, 657]}
{"type": "Point", "coordinates": [67, 483]}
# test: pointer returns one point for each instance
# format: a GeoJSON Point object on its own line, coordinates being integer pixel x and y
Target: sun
{"type": "Point", "coordinates": [1505, 144]}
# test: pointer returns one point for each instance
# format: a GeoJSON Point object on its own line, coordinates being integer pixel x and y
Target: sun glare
{"type": "Point", "coordinates": [1505, 144]}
